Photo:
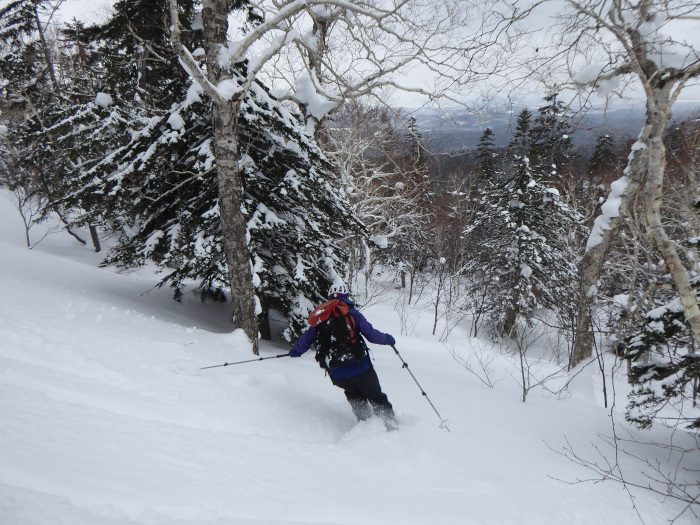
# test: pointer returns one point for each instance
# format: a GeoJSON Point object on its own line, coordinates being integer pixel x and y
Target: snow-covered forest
{"type": "Point", "coordinates": [182, 181]}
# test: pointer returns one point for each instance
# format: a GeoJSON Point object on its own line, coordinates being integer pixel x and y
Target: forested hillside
{"type": "Point", "coordinates": [241, 157]}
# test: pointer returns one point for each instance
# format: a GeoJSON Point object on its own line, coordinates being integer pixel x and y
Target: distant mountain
{"type": "Point", "coordinates": [457, 130]}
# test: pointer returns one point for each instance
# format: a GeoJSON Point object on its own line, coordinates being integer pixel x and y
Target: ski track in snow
{"type": "Point", "coordinates": [107, 419]}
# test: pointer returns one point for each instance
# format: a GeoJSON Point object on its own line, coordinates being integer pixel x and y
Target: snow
{"type": "Point", "coordinates": [300, 269]}
{"type": "Point", "coordinates": [255, 270]}
{"type": "Point", "coordinates": [228, 52]}
{"type": "Point", "coordinates": [610, 209]}
{"type": "Point", "coordinates": [104, 100]}
{"type": "Point", "coordinates": [622, 299]}
{"type": "Point", "coordinates": [662, 49]}
{"type": "Point", "coordinates": [674, 306]}
{"type": "Point", "coordinates": [607, 86]}
{"type": "Point", "coordinates": [381, 241]}
{"type": "Point", "coordinates": [228, 88]}
{"type": "Point", "coordinates": [176, 122]}
{"type": "Point", "coordinates": [263, 217]}
{"type": "Point", "coordinates": [318, 106]}
{"type": "Point", "coordinates": [152, 241]}
{"type": "Point", "coordinates": [590, 73]}
{"type": "Point", "coordinates": [194, 94]}
{"type": "Point", "coordinates": [197, 24]}
{"type": "Point", "coordinates": [108, 418]}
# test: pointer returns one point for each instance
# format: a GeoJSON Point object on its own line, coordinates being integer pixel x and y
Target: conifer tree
{"type": "Point", "coordinates": [665, 367]}
{"type": "Point", "coordinates": [520, 145]}
{"type": "Point", "coordinates": [486, 155]}
{"type": "Point", "coordinates": [551, 138]}
{"type": "Point", "coordinates": [144, 169]}
{"type": "Point", "coordinates": [603, 161]}
{"type": "Point", "coordinates": [295, 215]}
{"type": "Point", "coordinates": [30, 94]}
{"type": "Point", "coordinates": [28, 77]}
{"type": "Point", "coordinates": [122, 79]}
{"type": "Point", "coordinates": [519, 241]}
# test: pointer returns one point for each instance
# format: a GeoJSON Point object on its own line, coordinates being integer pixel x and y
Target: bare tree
{"type": "Point", "coordinates": [388, 185]}
{"type": "Point", "coordinates": [633, 40]}
{"type": "Point", "coordinates": [347, 49]}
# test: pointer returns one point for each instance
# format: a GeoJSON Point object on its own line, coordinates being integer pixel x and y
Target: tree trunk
{"type": "Point", "coordinates": [594, 258]}
{"type": "Point", "coordinates": [95, 239]}
{"type": "Point", "coordinates": [47, 50]}
{"type": "Point", "coordinates": [264, 323]}
{"type": "Point", "coordinates": [233, 222]}
{"type": "Point", "coordinates": [653, 200]}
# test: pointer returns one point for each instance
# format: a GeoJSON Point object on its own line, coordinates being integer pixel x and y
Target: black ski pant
{"type": "Point", "coordinates": [365, 396]}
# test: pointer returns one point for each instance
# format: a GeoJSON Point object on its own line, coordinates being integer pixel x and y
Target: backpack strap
{"type": "Point", "coordinates": [323, 312]}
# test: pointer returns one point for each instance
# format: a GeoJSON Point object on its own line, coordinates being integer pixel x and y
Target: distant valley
{"type": "Point", "coordinates": [455, 130]}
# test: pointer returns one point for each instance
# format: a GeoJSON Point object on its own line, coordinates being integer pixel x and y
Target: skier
{"type": "Point", "coordinates": [337, 328]}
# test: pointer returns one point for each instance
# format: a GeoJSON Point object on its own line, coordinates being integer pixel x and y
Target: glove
{"type": "Point", "coordinates": [294, 353]}
{"type": "Point", "coordinates": [390, 340]}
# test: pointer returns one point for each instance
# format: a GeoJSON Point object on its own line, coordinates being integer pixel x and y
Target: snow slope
{"type": "Point", "coordinates": [107, 418]}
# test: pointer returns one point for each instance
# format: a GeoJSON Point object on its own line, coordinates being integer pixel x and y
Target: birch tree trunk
{"type": "Point", "coordinates": [645, 173]}
{"type": "Point", "coordinates": [653, 200]}
{"type": "Point", "coordinates": [230, 183]}
{"type": "Point", "coordinates": [608, 227]}
{"type": "Point", "coordinates": [645, 54]}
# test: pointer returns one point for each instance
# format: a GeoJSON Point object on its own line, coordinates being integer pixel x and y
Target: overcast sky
{"type": "Point", "coordinates": [92, 10]}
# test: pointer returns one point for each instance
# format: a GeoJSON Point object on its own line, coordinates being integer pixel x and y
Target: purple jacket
{"type": "Point", "coordinates": [363, 326]}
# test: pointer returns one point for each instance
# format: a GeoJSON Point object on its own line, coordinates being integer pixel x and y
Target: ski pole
{"type": "Point", "coordinates": [246, 361]}
{"type": "Point", "coordinates": [443, 422]}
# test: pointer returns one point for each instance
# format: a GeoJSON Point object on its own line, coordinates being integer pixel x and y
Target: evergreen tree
{"type": "Point", "coordinates": [520, 145]}
{"type": "Point", "coordinates": [664, 363]}
{"type": "Point", "coordinates": [521, 259]}
{"type": "Point", "coordinates": [143, 168]}
{"type": "Point", "coordinates": [550, 137]}
{"type": "Point", "coordinates": [603, 161]}
{"type": "Point", "coordinates": [126, 75]}
{"type": "Point", "coordinates": [296, 217]}
{"type": "Point", "coordinates": [137, 64]}
{"type": "Point", "coordinates": [665, 366]}
{"type": "Point", "coordinates": [28, 77]}
{"type": "Point", "coordinates": [486, 156]}
{"type": "Point", "coordinates": [29, 93]}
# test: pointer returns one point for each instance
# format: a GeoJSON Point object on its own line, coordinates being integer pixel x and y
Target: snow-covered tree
{"type": "Point", "coordinates": [141, 163]}
{"type": "Point", "coordinates": [665, 368]}
{"type": "Point", "coordinates": [551, 138]}
{"type": "Point", "coordinates": [520, 257]}
{"type": "Point", "coordinates": [520, 145]}
{"type": "Point", "coordinates": [335, 52]}
{"type": "Point", "coordinates": [385, 174]}
{"type": "Point", "coordinates": [31, 90]}
{"type": "Point", "coordinates": [26, 64]}
{"type": "Point", "coordinates": [603, 161]}
{"type": "Point", "coordinates": [121, 79]}
{"type": "Point", "coordinates": [633, 42]}
{"type": "Point", "coordinates": [295, 215]}
{"type": "Point", "coordinates": [664, 365]}
{"type": "Point", "coordinates": [487, 157]}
